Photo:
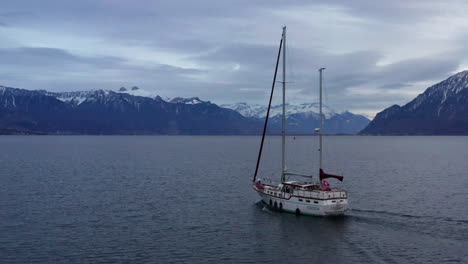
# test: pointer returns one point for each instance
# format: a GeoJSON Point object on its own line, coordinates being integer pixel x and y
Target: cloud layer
{"type": "Point", "coordinates": [377, 53]}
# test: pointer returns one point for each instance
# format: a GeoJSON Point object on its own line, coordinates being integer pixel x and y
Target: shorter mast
{"type": "Point", "coordinates": [322, 174]}
{"type": "Point", "coordinates": [321, 124]}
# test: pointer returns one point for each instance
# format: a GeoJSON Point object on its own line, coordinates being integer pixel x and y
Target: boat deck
{"type": "Point", "coordinates": [308, 190]}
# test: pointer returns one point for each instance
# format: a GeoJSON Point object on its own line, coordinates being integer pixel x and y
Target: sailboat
{"type": "Point", "coordinates": [299, 197]}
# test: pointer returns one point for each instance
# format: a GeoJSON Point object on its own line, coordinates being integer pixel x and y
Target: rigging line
{"type": "Point", "coordinates": [293, 90]}
{"type": "Point", "coordinates": [268, 110]}
{"type": "Point", "coordinates": [326, 101]}
{"type": "Point", "coordinates": [291, 66]}
{"type": "Point", "coordinates": [328, 108]}
{"type": "Point", "coordinates": [296, 92]}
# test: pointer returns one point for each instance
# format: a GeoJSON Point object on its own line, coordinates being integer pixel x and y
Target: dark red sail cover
{"type": "Point", "coordinates": [324, 175]}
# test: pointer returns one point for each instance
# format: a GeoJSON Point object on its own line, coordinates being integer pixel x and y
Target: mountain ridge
{"type": "Point", "coordinates": [124, 112]}
{"type": "Point", "coordinates": [109, 112]}
{"type": "Point", "coordinates": [305, 117]}
{"type": "Point", "coordinates": [442, 109]}
{"type": "Point", "coordinates": [259, 111]}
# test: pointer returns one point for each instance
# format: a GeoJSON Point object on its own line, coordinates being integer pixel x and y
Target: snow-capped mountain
{"type": "Point", "coordinates": [253, 110]}
{"type": "Point", "coordinates": [192, 100]}
{"type": "Point", "coordinates": [304, 118]}
{"type": "Point", "coordinates": [442, 109]}
{"type": "Point", "coordinates": [135, 91]}
{"type": "Point", "coordinates": [129, 112]}
{"type": "Point", "coordinates": [108, 112]}
{"type": "Point", "coordinates": [77, 98]}
{"type": "Point", "coordinates": [259, 111]}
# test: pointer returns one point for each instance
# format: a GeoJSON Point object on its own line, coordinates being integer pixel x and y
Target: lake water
{"type": "Point", "coordinates": [184, 199]}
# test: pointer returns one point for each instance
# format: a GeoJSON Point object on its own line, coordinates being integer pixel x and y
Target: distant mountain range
{"type": "Point", "coordinates": [107, 112]}
{"type": "Point", "coordinates": [304, 118]}
{"type": "Point", "coordinates": [136, 111]}
{"type": "Point", "coordinates": [441, 110]}
{"type": "Point", "coordinates": [259, 111]}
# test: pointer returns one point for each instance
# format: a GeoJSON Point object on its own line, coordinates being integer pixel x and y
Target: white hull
{"type": "Point", "coordinates": [304, 205]}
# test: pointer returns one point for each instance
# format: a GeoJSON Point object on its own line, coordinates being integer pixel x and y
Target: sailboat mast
{"type": "Point", "coordinates": [283, 133]}
{"type": "Point", "coordinates": [321, 122]}
{"type": "Point", "coordinates": [268, 111]}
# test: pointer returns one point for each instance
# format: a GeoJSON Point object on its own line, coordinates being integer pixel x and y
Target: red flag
{"type": "Point", "coordinates": [324, 175]}
{"type": "Point", "coordinates": [325, 183]}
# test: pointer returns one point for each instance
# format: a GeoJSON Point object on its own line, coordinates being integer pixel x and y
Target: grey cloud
{"type": "Point", "coordinates": [214, 36]}
{"type": "Point", "coordinates": [395, 85]}
{"type": "Point", "coordinates": [251, 55]}
{"type": "Point", "coordinates": [362, 69]}
{"type": "Point", "coordinates": [52, 69]}
{"type": "Point", "coordinates": [420, 69]}
{"type": "Point", "coordinates": [379, 101]}
{"type": "Point", "coordinates": [44, 57]}
{"type": "Point", "coordinates": [344, 71]}
{"type": "Point", "coordinates": [397, 11]}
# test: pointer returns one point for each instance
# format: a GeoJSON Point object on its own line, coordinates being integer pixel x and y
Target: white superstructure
{"type": "Point", "coordinates": [303, 198]}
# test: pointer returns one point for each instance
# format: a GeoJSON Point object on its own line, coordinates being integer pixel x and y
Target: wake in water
{"type": "Point", "coordinates": [441, 227]}
{"type": "Point", "coordinates": [447, 219]}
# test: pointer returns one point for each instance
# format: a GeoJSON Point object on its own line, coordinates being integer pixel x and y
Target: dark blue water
{"type": "Point", "coordinates": [160, 199]}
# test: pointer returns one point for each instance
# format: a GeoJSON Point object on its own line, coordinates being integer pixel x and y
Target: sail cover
{"type": "Point", "coordinates": [324, 175]}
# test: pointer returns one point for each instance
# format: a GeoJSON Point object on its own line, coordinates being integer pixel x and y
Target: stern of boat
{"type": "Point", "coordinates": [335, 207]}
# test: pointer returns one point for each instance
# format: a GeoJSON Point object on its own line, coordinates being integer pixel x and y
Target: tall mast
{"type": "Point", "coordinates": [283, 134]}
{"type": "Point", "coordinates": [268, 111]}
{"type": "Point", "coordinates": [321, 122]}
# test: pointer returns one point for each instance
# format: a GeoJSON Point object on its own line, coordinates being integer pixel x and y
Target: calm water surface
{"type": "Point", "coordinates": [161, 199]}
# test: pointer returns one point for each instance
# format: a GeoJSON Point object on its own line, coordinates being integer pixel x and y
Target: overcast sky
{"type": "Point", "coordinates": [377, 53]}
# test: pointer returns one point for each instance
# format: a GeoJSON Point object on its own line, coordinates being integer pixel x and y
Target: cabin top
{"type": "Point", "coordinates": [301, 184]}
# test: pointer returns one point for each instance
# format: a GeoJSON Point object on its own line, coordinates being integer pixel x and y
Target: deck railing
{"type": "Point", "coordinates": [320, 195]}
